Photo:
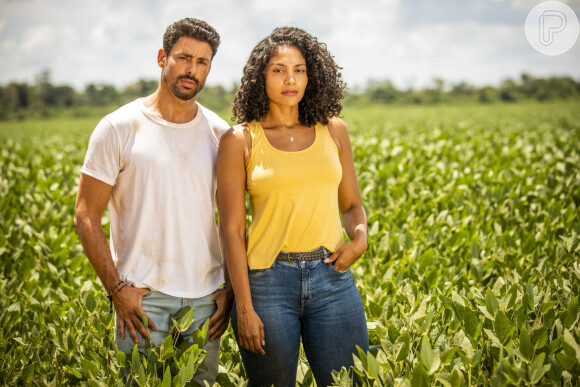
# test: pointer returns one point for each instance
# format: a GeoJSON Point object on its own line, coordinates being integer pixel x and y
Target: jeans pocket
{"type": "Point", "coordinates": [331, 264]}
{"type": "Point", "coordinates": [258, 273]}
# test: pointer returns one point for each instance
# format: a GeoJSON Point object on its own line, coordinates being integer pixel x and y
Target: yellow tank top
{"type": "Point", "coordinates": [294, 197]}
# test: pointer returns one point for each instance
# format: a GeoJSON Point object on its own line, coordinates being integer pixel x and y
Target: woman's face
{"type": "Point", "coordinates": [286, 77]}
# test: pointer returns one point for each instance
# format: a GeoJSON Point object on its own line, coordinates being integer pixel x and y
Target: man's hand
{"type": "Point", "coordinates": [218, 322]}
{"type": "Point", "coordinates": [127, 303]}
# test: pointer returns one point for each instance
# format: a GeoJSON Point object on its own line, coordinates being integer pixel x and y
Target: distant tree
{"type": "Point", "coordinates": [216, 98]}
{"type": "Point", "coordinates": [382, 91]}
{"type": "Point", "coordinates": [462, 91]}
{"type": "Point", "coordinates": [101, 95]}
{"type": "Point", "coordinates": [435, 94]}
{"type": "Point", "coordinates": [508, 91]}
{"type": "Point", "coordinates": [141, 88]}
{"type": "Point", "coordinates": [487, 94]}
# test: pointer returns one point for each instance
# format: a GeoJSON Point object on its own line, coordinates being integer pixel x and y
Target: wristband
{"type": "Point", "coordinates": [115, 287]}
{"type": "Point", "coordinates": [116, 290]}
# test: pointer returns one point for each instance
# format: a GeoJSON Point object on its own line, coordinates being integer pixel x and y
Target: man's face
{"type": "Point", "coordinates": [186, 67]}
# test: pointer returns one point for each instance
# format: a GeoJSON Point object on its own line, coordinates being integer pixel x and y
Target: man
{"type": "Point", "coordinates": [153, 162]}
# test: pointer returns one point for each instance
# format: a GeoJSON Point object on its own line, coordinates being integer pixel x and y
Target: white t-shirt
{"type": "Point", "coordinates": [162, 209]}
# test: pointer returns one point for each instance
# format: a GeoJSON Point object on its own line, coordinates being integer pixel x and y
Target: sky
{"type": "Point", "coordinates": [410, 43]}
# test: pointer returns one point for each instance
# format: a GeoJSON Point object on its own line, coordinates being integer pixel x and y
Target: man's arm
{"type": "Point", "coordinates": [92, 199]}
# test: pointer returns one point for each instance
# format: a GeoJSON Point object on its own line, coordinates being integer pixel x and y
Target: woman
{"type": "Point", "coordinates": [293, 156]}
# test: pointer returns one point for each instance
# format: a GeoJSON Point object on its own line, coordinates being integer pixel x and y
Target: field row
{"type": "Point", "coordinates": [471, 276]}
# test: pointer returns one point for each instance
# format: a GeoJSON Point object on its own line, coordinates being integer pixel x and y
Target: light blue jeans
{"type": "Point", "coordinates": [159, 307]}
{"type": "Point", "coordinates": [311, 301]}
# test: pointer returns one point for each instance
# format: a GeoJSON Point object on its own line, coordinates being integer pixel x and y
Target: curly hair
{"type": "Point", "coordinates": [324, 90]}
{"type": "Point", "coordinates": [191, 28]}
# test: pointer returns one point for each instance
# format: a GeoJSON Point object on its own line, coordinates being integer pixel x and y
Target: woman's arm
{"type": "Point", "coordinates": [233, 155]}
{"type": "Point", "coordinates": [349, 200]}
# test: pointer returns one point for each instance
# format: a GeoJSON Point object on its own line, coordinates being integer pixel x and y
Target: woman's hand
{"type": "Point", "coordinates": [251, 331]}
{"type": "Point", "coordinates": [345, 256]}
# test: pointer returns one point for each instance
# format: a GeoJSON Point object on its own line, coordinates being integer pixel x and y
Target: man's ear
{"type": "Point", "coordinates": [161, 58]}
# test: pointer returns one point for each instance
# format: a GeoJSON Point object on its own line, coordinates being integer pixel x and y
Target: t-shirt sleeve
{"type": "Point", "coordinates": [102, 160]}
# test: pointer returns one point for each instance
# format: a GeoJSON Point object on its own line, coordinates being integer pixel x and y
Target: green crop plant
{"type": "Point", "coordinates": [471, 277]}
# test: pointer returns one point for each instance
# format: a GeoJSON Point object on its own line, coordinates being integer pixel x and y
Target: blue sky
{"type": "Point", "coordinates": [408, 42]}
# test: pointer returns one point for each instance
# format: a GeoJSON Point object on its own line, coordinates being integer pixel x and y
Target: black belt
{"type": "Point", "coordinates": [315, 255]}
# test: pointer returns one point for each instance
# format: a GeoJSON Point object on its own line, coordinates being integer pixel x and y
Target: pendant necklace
{"type": "Point", "coordinates": [291, 138]}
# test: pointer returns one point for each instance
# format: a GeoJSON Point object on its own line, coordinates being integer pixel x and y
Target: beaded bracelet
{"type": "Point", "coordinates": [116, 290]}
{"type": "Point", "coordinates": [115, 287]}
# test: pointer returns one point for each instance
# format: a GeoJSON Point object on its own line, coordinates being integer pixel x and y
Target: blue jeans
{"type": "Point", "coordinates": [308, 300]}
{"type": "Point", "coordinates": [159, 307]}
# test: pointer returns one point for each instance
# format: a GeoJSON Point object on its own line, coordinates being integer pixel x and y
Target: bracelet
{"type": "Point", "coordinates": [115, 287]}
{"type": "Point", "coordinates": [116, 290]}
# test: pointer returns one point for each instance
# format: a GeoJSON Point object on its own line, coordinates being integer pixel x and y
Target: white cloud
{"type": "Point", "coordinates": [112, 41]}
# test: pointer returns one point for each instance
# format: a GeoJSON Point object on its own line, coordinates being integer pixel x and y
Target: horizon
{"type": "Point", "coordinates": [481, 43]}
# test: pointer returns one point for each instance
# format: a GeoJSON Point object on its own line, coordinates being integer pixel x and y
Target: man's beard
{"type": "Point", "coordinates": [182, 93]}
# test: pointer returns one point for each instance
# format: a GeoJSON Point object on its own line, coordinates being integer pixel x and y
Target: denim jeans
{"type": "Point", "coordinates": [308, 300]}
{"type": "Point", "coordinates": [159, 307]}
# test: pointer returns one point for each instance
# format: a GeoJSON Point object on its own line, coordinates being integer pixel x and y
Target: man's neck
{"type": "Point", "coordinates": [170, 108]}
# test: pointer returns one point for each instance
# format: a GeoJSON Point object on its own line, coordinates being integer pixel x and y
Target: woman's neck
{"type": "Point", "coordinates": [280, 116]}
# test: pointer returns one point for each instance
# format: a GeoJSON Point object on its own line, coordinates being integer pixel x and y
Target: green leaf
{"type": "Point", "coordinates": [567, 362]}
{"type": "Point", "coordinates": [537, 369]}
{"type": "Point", "coordinates": [190, 367]}
{"type": "Point", "coordinates": [491, 303]}
{"type": "Point", "coordinates": [503, 327]}
{"type": "Point", "coordinates": [526, 348]}
{"type": "Point", "coordinates": [426, 353]}
{"type": "Point", "coordinates": [455, 378]}
{"type": "Point", "coordinates": [135, 359]}
{"type": "Point", "coordinates": [571, 313]}
{"type": "Point", "coordinates": [570, 345]}
{"type": "Point", "coordinates": [475, 251]}
{"type": "Point", "coordinates": [539, 337]}
{"type": "Point", "coordinates": [494, 339]}
{"type": "Point", "coordinates": [167, 351]}
{"type": "Point", "coordinates": [183, 319]}
{"type": "Point", "coordinates": [89, 368]}
{"type": "Point", "coordinates": [166, 378]}
{"type": "Point", "coordinates": [90, 302]}
{"type": "Point", "coordinates": [373, 366]}
{"type": "Point", "coordinates": [201, 336]}
{"type": "Point", "coordinates": [401, 347]}
{"type": "Point", "coordinates": [448, 355]}
{"type": "Point", "coordinates": [471, 323]}
{"type": "Point", "coordinates": [375, 309]}
{"type": "Point", "coordinates": [419, 377]}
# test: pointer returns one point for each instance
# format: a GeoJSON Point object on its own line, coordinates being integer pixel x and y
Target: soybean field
{"type": "Point", "coordinates": [471, 277]}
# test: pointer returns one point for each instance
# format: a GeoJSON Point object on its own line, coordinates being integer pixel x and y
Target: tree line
{"type": "Point", "coordinates": [19, 100]}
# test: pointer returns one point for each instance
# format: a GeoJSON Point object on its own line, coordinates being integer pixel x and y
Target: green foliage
{"type": "Point", "coordinates": [471, 275]}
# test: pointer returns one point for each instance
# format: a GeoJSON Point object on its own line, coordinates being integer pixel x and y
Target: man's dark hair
{"type": "Point", "coordinates": [323, 94]}
{"type": "Point", "coordinates": [191, 28]}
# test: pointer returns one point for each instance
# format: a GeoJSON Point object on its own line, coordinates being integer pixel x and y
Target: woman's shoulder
{"type": "Point", "coordinates": [336, 124]}
{"type": "Point", "coordinates": [236, 132]}
{"type": "Point", "coordinates": [237, 137]}
{"type": "Point", "coordinates": [338, 131]}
